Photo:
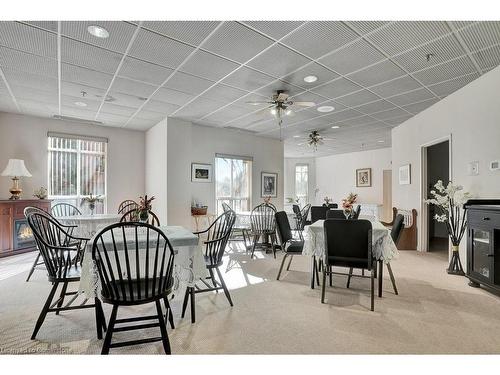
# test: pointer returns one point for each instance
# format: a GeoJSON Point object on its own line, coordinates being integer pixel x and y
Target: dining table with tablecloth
{"type": "Point", "coordinates": [88, 225]}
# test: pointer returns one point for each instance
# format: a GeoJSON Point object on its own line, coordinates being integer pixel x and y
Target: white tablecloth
{"type": "Point", "coordinates": [88, 225]}
{"type": "Point", "coordinates": [243, 220]}
{"type": "Point", "coordinates": [383, 246]}
{"type": "Point", "coordinates": [189, 263]}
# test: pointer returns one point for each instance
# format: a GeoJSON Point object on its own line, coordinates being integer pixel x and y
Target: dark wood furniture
{"type": "Point", "coordinates": [127, 205]}
{"type": "Point", "coordinates": [12, 215]}
{"type": "Point", "coordinates": [133, 216]}
{"type": "Point", "coordinates": [408, 238]}
{"type": "Point", "coordinates": [290, 246]}
{"type": "Point", "coordinates": [263, 223]}
{"type": "Point", "coordinates": [318, 213]}
{"type": "Point", "coordinates": [483, 243]}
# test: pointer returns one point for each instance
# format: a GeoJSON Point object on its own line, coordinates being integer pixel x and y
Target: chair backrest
{"type": "Point", "coordinates": [283, 227]}
{"type": "Point", "coordinates": [397, 228]}
{"type": "Point", "coordinates": [262, 218]}
{"type": "Point", "coordinates": [218, 234]}
{"type": "Point", "coordinates": [335, 214]}
{"type": "Point", "coordinates": [304, 213]}
{"type": "Point", "coordinates": [296, 209]}
{"type": "Point", "coordinates": [348, 242]}
{"type": "Point", "coordinates": [318, 213]}
{"type": "Point", "coordinates": [357, 211]}
{"type": "Point", "coordinates": [133, 216]}
{"type": "Point", "coordinates": [65, 209]}
{"type": "Point", "coordinates": [51, 240]}
{"type": "Point", "coordinates": [226, 207]}
{"type": "Point", "coordinates": [127, 205]}
{"type": "Point", "coordinates": [134, 262]}
{"type": "Point", "coordinates": [28, 210]}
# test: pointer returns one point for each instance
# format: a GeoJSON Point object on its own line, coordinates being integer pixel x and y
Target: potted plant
{"type": "Point", "coordinates": [40, 193]}
{"type": "Point", "coordinates": [144, 208]}
{"type": "Point", "coordinates": [91, 200]}
{"type": "Point", "coordinates": [348, 204]}
{"type": "Point", "coordinates": [449, 200]}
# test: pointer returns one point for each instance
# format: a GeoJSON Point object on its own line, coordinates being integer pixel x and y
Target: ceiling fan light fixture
{"type": "Point", "coordinates": [98, 31]}
{"type": "Point", "coordinates": [273, 111]}
{"type": "Point", "coordinates": [325, 108]}
{"type": "Point", "coordinates": [335, 127]}
{"type": "Point", "coordinates": [310, 79]}
{"type": "Point", "coordinates": [288, 112]}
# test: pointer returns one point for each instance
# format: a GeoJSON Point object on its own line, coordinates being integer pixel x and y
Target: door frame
{"type": "Point", "coordinates": [423, 243]}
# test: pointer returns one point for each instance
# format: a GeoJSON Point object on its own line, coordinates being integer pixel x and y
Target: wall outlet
{"type": "Point", "coordinates": [494, 165]}
{"type": "Point", "coordinates": [473, 168]}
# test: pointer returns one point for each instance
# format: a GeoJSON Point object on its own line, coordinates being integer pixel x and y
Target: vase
{"type": "Point", "coordinates": [143, 216]}
{"type": "Point", "coordinates": [91, 207]}
{"type": "Point", "coordinates": [455, 267]}
{"type": "Point", "coordinates": [347, 214]}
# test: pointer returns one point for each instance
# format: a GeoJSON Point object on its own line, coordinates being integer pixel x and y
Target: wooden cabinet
{"type": "Point", "coordinates": [12, 212]}
{"type": "Point", "coordinates": [483, 243]}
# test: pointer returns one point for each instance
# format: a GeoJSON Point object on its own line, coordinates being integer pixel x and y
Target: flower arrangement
{"type": "Point", "coordinates": [327, 200]}
{"type": "Point", "coordinates": [348, 204]}
{"type": "Point", "coordinates": [40, 193]}
{"type": "Point", "coordinates": [144, 207]}
{"type": "Point", "coordinates": [91, 200]}
{"type": "Point", "coordinates": [267, 200]}
{"type": "Point", "coordinates": [449, 201]}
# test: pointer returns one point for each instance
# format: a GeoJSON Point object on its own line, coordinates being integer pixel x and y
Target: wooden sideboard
{"type": "Point", "coordinates": [12, 222]}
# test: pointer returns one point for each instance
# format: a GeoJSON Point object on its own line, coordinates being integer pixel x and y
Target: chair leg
{"type": "Point", "coordinates": [61, 296]}
{"type": "Point", "coordinates": [331, 275]}
{"type": "Point", "coordinates": [193, 305]}
{"type": "Point", "coordinates": [323, 285]}
{"type": "Point", "coordinates": [393, 280]}
{"type": "Point", "coordinates": [349, 278]}
{"type": "Point", "coordinates": [185, 302]}
{"type": "Point", "coordinates": [99, 318]}
{"type": "Point", "coordinates": [224, 287]}
{"type": "Point", "coordinates": [380, 277]}
{"type": "Point", "coordinates": [372, 290]}
{"type": "Point", "coordinates": [35, 263]}
{"type": "Point", "coordinates": [289, 262]}
{"type": "Point", "coordinates": [273, 240]}
{"type": "Point", "coordinates": [45, 310]}
{"type": "Point", "coordinates": [170, 315]}
{"type": "Point", "coordinates": [255, 238]}
{"type": "Point", "coordinates": [163, 329]}
{"type": "Point", "coordinates": [211, 271]}
{"type": "Point", "coordinates": [109, 332]}
{"type": "Point", "coordinates": [317, 274]}
{"type": "Point", "coordinates": [313, 272]}
{"type": "Point", "coordinates": [281, 266]}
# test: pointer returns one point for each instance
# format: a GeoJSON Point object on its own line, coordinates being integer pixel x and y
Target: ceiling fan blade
{"type": "Point", "coordinates": [300, 144]}
{"type": "Point", "coordinates": [304, 104]}
{"type": "Point", "coordinates": [258, 103]}
{"type": "Point", "coordinates": [282, 97]}
{"type": "Point", "coordinates": [264, 109]}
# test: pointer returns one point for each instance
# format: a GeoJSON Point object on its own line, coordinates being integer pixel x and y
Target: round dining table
{"type": "Point", "coordinates": [88, 225]}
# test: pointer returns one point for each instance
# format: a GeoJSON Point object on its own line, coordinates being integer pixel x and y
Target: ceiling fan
{"type": "Point", "coordinates": [279, 105]}
{"type": "Point", "coordinates": [314, 139]}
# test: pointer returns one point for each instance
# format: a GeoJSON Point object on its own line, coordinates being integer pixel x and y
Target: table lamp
{"type": "Point", "coordinates": [15, 169]}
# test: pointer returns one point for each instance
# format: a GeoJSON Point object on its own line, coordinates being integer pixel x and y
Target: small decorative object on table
{"type": "Point", "coordinates": [293, 200]}
{"type": "Point", "coordinates": [267, 200]}
{"type": "Point", "coordinates": [327, 200]}
{"type": "Point", "coordinates": [40, 193]}
{"type": "Point", "coordinates": [91, 200]}
{"type": "Point", "coordinates": [449, 201]}
{"type": "Point", "coordinates": [144, 208]}
{"type": "Point", "coordinates": [348, 204]}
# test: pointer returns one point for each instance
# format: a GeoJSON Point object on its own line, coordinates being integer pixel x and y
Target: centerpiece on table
{"type": "Point", "coordinates": [91, 201]}
{"type": "Point", "coordinates": [40, 193]}
{"type": "Point", "coordinates": [449, 200]}
{"type": "Point", "coordinates": [348, 204]}
{"type": "Point", "coordinates": [327, 200]}
{"type": "Point", "coordinates": [144, 208]}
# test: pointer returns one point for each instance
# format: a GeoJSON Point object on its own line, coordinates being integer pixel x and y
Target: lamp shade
{"type": "Point", "coordinates": [16, 168]}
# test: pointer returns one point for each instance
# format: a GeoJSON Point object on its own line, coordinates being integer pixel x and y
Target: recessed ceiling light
{"type": "Point", "coordinates": [335, 127]}
{"type": "Point", "coordinates": [325, 108]}
{"type": "Point", "coordinates": [98, 31]}
{"type": "Point", "coordinates": [81, 104]}
{"type": "Point", "coordinates": [310, 79]}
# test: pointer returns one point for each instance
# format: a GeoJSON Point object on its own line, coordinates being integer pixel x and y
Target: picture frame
{"type": "Point", "coordinates": [364, 177]}
{"type": "Point", "coordinates": [268, 184]}
{"type": "Point", "coordinates": [405, 174]}
{"type": "Point", "coordinates": [201, 172]}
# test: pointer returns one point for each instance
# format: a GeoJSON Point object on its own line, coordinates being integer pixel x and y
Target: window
{"type": "Point", "coordinates": [76, 168]}
{"type": "Point", "coordinates": [301, 183]}
{"type": "Point", "coordinates": [233, 176]}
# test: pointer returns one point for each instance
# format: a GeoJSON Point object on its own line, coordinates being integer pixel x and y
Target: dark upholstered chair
{"type": "Point", "coordinates": [290, 246]}
{"type": "Point", "coordinates": [357, 211]}
{"type": "Point", "coordinates": [348, 243]}
{"type": "Point", "coordinates": [318, 213]}
{"type": "Point", "coordinates": [335, 214]}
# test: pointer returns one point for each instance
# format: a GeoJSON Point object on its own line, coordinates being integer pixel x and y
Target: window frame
{"type": "Point", "coordinates": [306, 197]}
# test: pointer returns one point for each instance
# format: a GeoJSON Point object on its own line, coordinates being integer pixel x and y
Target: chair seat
{"type": "Point", "coordinates": [73, 274]}
{"type": "Point", "coordinates": [362, 264]}
{"type": "Point", "coordinates": [137, 289]}
{"type": "Point", "coordinates": [295, 247]}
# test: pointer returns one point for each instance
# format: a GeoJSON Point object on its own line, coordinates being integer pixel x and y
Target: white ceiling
{"type": "Point", "coordinates": [375, 74]}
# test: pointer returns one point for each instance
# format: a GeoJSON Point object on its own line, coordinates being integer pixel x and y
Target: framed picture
{"type": "Point", "coordinates": [364, 177]}
{"type": "Point", "coordinates": [201, 172]}
{"type": "Point", "coordinates": [405, 174]}
{"type": "Point", "coordinates": [269, 184]}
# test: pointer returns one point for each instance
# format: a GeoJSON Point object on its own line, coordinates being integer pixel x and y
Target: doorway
{"type": "Point", "coordinates": [437, 167]}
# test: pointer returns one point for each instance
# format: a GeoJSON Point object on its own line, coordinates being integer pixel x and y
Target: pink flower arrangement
{"type": "Point", "coordinates": [347, 203]}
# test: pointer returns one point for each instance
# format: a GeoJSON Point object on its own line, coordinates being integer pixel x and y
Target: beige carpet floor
{"type": "Point", "coordinates": [433, 313]}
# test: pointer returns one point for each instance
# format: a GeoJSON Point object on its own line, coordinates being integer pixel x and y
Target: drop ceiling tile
{"type": "Point", "coordinates": [395, 86]}
{"type": "Point", "coordinates": [323, 75]}
{"type": "Point", "coordinates": [120, 33]}
{"type": "Point", "coordinates": [140, 124]}
{"type": "Point", "coordinates": [343, 115]}
{"type": "Point", "coordinates": [198, 108]}
{"type": "Point", "coordinates": [236, 42]}
{"type": "Point", "coordinates": [461, 24]}
{"type": "Point", "coordinates": [448, 87]}
{"type": "Point", "coordinates": [158, 49]}
{"type": "Point", "coordinates": [243, 102]}
{"type": "Point", "coordinates": [75, 89]}
{"type": "Point", "coordinates": [396, 112]}
{"type": "Point", "coordinates": [188, 84]}
{"type": "Point", "coordinates": [443, 49]}
{"type": "Point", "coordinates": [376, 106]}
{"type": "Point", "coordinates": [36, 108]}
{"type": "Point", "coordinates": [27, 38]}
{"type": "Point", "coordinates": [248, 79]}
{"type": "Point", "coordinates": [411, 97]}
{"type": "Point", "coordinates": [365, 27]}
{"type": "Point", "coordinates": [69, 101]}
{"type": "Point", "coordinates": [275, 29]}
{"type": "Point", "coordinates": [419, 107]}
{"type": "Point", "coordinates": [227, 114]}
{"type": "Point", "coordinates": [172, 96]}
{"type": "Point", "coordinates": [310, 97]}
{"type": "Point", "coordinates": [224, 93]}
{"type": "Point", "coordinates": [337, 88]}
{"type": "Point", "coordinates": [30, 93]}
{"type": "Point", "coordinates": [206, 65]}
{"type": "Point", "coordinates": [125, 100]}
{"type": "Point", "coordinates": [135, 88]}
{"type": "Point", "coordinates": [151, 115]}
{"type": "Point", "coordinates": [18, 78]}
{"type": "Point", "coordinates": [318, 38]}
{"type": "Point", "coordinates": [381, 72]}
{"type": "Point", "coordinates": [87, 77]}
{"type": "Point", "coordinates": [46, 25]}
{"type": "Point", "coordinates": [278, 61]}
{"type": "Point", "coordinates": [77, 112]}
{"type": "Point", "coordinates": [358, 98]}
{"type": "Point", "coordinates": [85, 55]}
{"type": "Point", "coordinates": [27, 62]}
{"type": "Point", "coordinates": [398, 120]}
{"type": "Point", "coordinates": [352, 57]}
{"type": "Point", "coordinates": [192, 32]}
{"type": "Point", "coordinates": [112, 119]}
{"type": "Point", "coordinates": [271, 89]}
{"type": "Point", "coordinates": [159, 107]}
{"type": "Point", "coordinates": [481, 35]}
{"type": "Point", "coordinates": [358, 121]}
{"type": "Point", "coordinates": [143, 71]}
{"type": "Point", "coordinates": [446, 71]}
{"type": "Point", "coordinates": [402, 36]}
{"type": "Point", "coordinates": [488, 58]}
{"type": "Point", "coordinates": [116, 109]}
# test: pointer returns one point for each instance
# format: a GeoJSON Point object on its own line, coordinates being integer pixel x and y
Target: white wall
{"type": "Point", "coordinates": [156, 168]}
{"type": "Point", "coordinates": [25, 137]}
{"type": "Point", "coordinates": [188, 143]}
{"type": "Point", "coordinates": [472, 116]}
{"type": "Point", "coordinates": [336, 175]}
{"type": "Point", "coordinates": [290, 163]}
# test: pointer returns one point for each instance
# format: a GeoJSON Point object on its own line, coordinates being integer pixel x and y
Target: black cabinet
{"type": "Point", "coordinates": [483, 243]}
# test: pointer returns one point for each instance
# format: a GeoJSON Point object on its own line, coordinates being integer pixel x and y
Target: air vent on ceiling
{"type": "Point", "coordinates": [76, 119]}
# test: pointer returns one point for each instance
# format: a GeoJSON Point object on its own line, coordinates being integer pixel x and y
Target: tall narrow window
{"type": "Point", "coordinates": [233, 181]}
{"type": "Point", "coordinates": [76, 169]}
{"type": "Point", "coordinates": [301, 183]}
